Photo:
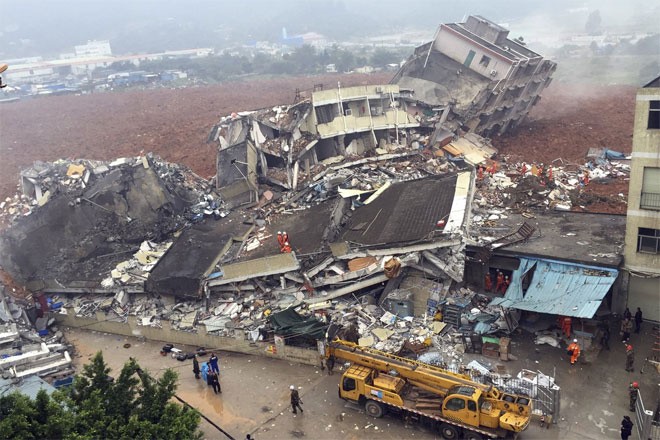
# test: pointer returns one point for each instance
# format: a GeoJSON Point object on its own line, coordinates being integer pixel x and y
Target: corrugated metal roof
{"type": "Point", "coordinates": [559, 288]}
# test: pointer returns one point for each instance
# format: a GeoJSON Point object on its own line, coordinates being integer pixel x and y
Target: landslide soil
{"type": "Point", "coordinates": [175, 123]}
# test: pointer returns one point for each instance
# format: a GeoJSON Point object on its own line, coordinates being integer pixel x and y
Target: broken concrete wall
{"type": "Point", "coordinates": [236, 176]}
{"type": "Point", "coordinates": [166, 334]}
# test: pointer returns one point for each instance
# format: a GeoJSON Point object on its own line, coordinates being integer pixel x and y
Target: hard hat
{"type": "Point", "coordinates": [635, 385]}
{"type": "Point", "coordinates": [279, 232]}
{"type": "Point", "coordinates": [574, 340]}
{"type": "Point", "coordinates": [291, 387]}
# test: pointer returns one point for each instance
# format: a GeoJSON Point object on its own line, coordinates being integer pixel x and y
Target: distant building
{"type": "Point", "coordinates": [482, 80]}
{"type": "Point", "coordinates": [642, 251]}
{"type": "Point", "coordinates": [94, 49]}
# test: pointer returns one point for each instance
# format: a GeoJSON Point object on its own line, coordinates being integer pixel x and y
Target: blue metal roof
{"type": "Point", "coordinates": [29, 386]}
{"type": "Point", "coordinates": [558, 288]}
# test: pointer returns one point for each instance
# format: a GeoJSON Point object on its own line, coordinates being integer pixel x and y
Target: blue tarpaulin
{"type": "Point", "coordinates": [558, 288]}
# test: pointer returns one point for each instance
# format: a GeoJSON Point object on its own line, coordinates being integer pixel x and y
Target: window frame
{"type": "Point", "coordinates": [653, 122]}
{"type": "Point", "coordinates": [649, 235]}
{"type": "Point", "coordinates": [452, 400]}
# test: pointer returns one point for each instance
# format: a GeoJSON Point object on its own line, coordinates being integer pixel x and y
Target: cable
{"type": "Point", "coordinates": [204, 417]}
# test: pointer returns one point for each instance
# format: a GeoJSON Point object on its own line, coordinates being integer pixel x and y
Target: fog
{"type": "Point", "coordinates": [48, 28]}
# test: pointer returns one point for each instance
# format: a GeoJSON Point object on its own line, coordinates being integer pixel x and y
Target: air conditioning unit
{"type": "Point", "coordinates": [348, 112]}
{"type": "Point", "coordinates": [379, 89]}
{"type": "Point", "coordinates": [493, 72]}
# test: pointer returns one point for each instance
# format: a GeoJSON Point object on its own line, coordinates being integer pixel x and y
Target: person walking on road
{"type": "Point", "coordinates": [626, 428]}
{"type": "Point", "coordinates": [632, 392]}
{"type": "Point", "coordinates": [213, 363]}
{"type": "Point", "coordinates": [626, 328]}
{"type": "Point", "coordinates": [196, 367]}
{"type": "Point", "coordinates": [630, 358]}
{"type": "Point", "coordinates": [214, 382]}
{"type": "Point", "coordinates": [295, 400]}
{"type": "Point", "coordinates": [638, 320]}
{"type": "Point", "coordinates": [605, 339]}
{"type": "Point", "coordinates": [574, 351]}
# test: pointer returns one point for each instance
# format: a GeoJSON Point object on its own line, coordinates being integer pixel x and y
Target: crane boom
{"type": "Point", "coordinates": [406, 368]}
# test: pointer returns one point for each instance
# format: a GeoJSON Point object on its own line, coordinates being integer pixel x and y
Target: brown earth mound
{"type": "Point", "coordinates": [174, 124]}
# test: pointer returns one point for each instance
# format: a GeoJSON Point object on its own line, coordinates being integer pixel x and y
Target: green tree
{"type": "Point", "coordinates": [134, 406]}
{"type": "Point", "coordinates": [382, 57]}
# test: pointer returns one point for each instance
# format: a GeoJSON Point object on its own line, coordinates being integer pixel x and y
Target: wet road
{"type": "Point", "coordinates": [255, 393]}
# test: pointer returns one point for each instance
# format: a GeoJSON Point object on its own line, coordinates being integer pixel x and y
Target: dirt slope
{"type": "Point", "coordinates": [175, 123]}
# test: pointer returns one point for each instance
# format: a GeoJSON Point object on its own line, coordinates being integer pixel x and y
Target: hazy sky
{"type": "Point", "coordinates": [50, 27]}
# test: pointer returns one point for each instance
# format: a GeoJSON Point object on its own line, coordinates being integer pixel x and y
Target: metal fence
{"type": "Point", "coordinates": [646, 424]}
{"type": "Point", "coordinates": [545, 395]}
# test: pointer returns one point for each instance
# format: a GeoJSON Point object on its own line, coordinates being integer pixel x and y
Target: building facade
{"type": "Point", "coordinates": [487, 81]}
{"type": "Point", "coordinates": [642, 251]}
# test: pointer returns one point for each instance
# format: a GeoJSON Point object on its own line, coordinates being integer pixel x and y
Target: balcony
{"type": "Point", "coordinates": [650, 201]}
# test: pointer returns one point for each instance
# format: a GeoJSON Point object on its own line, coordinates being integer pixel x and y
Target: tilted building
{"type": "Point", "coordinates": [477, 76]}
{"type": "Point", "coordinates": [642, 251]}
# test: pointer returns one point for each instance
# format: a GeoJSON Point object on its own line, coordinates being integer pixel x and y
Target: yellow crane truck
{"type": "Point", "coordinates": [453, 404]}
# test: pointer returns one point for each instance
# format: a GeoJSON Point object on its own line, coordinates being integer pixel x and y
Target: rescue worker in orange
{"type": "Point", "coordinates": [480, 173]}
{"type": "Point", "coordinates": [574, 351]}
{"type": "Point", "coordinates": [488, 282]}
{"type": "Point", "coordinates": [499, 282]}
{"type": "Point", "coordinates": [279, 239]}
{"type": "Point", "coordinates": [286, 248]}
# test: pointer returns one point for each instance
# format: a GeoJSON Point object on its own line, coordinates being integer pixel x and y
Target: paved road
{"type": "Point", "coordinates": [255, 393]}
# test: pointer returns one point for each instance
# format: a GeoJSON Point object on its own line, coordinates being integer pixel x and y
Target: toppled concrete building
{"type": "Point", "coordinates": [476, 77]}
{"type": "Point", "coordinates": [282, 146]}
{"type": "Point", "coordinates": [80, 220]}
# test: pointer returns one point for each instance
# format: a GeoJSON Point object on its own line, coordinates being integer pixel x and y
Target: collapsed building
{"type": "Point", "coordinates": [387, 219]}
{"type": "Point", "coordinates": [478, 78]}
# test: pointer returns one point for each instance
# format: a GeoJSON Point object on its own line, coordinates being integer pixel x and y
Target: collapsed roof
{"type": "Point", "coordinates": [89, 216]}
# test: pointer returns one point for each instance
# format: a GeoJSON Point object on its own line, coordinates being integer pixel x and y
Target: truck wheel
{"type": "Point", "coordinates": [472, 436]}
{"type": "Point", "coordinates": [448, 432]}
{"type": "Point", "coordinates": [374, 409]}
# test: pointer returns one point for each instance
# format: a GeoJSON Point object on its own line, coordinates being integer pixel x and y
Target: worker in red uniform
{"type": "Point", "coordinates": [506, 283]}
{"type": "Point", "coordinates": [480, 173]}
{"type": "Point", "coordinates": [286, 248]}
{"type": "Point", "coordinates": [488, 282]}
{"type": "Point", "coordinates": [566, 324]}
{"type": "Point", "coordinates": [523, 170]}
{"type": "Point", "coordinates": [285, 237]}
{"type": "Point", "coordinates": [279, 239]}
{"type": "Point", "coordinates": [499, 281]}
{"type": "Point", "coordinates": [574, 351]}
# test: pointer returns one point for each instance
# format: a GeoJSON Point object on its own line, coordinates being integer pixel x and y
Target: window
{"type": "Point", "coordinates": [654, 115]}
{"type": "Point", "coordinates": [485, 61]}
{"type": "Point", "coordinates": [455, 404]}
{"type": "Point", "coordinates": [349, 384]}
{"type": "Point", "coordinates": [648, 241]}
{"type": "Point", "coordinates": [650, 198]}
{"type": "Point", "coordinates": [472, 405]}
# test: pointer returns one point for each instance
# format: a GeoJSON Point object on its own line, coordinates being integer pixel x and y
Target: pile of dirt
{"type": "Point", "coordinates": [175, 124]}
